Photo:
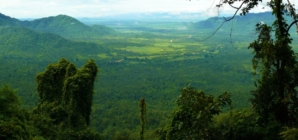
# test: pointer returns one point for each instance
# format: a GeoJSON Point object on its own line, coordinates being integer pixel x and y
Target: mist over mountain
{"type": "Point", "coordinates": [152, 16]}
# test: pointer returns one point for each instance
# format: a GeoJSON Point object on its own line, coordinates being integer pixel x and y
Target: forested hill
{"type": "Point", "coordinates": [8, 21]}
{"type": "Point", "coordinates": [62, 25]}
{"type": "Point", "coordinates": [23, 42]}
{"type": "Point", "coordinates": [25, 52]}
{"type": "Point", "coordinates": [239, 23]}
{"type": "Point", "coordinates": [67, 27]}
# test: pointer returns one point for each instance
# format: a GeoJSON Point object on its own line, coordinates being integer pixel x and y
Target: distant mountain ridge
{"type": "Point", "coordinates": [68, 27]}
{"type": "Point", "coordinates": [8, 21]}
{"type": "Point", "coordinates": [49, 38]}
{"type": "Point", "coordinates": [240, 23]}
{"type": "Point", "coordinates": [62, 25]}
{"type": "Point", "coordinates": [154, 16]}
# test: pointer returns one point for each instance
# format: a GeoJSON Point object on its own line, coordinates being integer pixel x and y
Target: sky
{"type": "Point", "coordinates": [104, 8]}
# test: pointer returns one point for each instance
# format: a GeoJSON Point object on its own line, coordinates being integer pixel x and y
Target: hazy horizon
{"type": "Point", "coordinates": [111, 8]}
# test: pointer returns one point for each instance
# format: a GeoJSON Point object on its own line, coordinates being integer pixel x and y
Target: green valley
{"type": "Point", "coordinates": [154, 63]}
{"type": "Point", "coordinates": [158, 61]}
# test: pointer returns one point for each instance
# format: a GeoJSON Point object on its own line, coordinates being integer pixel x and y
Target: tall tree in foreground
{"type": "Point", "coordinates": [275, 96]}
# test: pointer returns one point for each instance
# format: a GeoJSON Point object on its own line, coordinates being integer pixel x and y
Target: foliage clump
{"type": "Point", "coordinates": [13, 119]}
{"type": "Point", "coordinates": [193, 117]}
{"type": "Point", "coordinates": [64, 107]}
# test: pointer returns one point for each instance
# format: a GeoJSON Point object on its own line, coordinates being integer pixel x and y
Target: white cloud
{"type": "Point", "coordinates": [95, 8]}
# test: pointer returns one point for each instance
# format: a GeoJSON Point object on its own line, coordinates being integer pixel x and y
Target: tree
{"type": "Point", "coordinates": [13, 122]}
{"type": "Point", "coordinates": [275, 96]}
{"type": "Point", "coordinates": [66, 95]}
{"type": "Point", "coordinates": [193, 117]}
{"type": "Point", "coordinates": [143, 110]}
{"type": "Point", "coordinates": [78, 91]}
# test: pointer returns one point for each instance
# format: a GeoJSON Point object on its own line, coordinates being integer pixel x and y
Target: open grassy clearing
{"type": "Point", "coordinates": [176, 45]}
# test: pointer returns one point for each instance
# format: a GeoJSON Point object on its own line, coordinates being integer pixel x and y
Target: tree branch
{"type": "Point", "coordinates": [233, 6]}
{"type": "Point", "coordinates": [225, 20]}
{"type": "Point", "coordinates": [292, 25]}
{"type": "Point", "coordinates": [292, 10]}
{"type": "Point", "coordinates": [235, 12]}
